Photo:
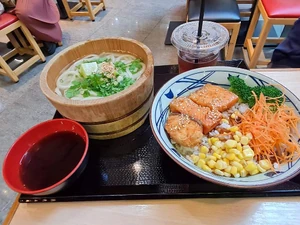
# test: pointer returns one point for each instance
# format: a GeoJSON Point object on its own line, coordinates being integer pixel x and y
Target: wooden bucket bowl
{"type": "Point", "coordinates": [109, 117]}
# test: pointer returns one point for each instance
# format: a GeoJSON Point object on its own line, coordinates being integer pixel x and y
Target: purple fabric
{"type": "Point", "coordinates": [41, 18]}
{"type": "Point", "coordinates": [287, 53]}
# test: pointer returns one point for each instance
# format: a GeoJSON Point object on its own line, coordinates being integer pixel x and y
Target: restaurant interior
{"type": "Point", "coordinates": [250, 46]}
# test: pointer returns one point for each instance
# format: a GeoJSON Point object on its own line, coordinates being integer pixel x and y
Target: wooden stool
{"type": "Point", "coordinates": [275, 12]}
{"type": "Point", "coordinates": [90, 11]}
{"type": "Point", "coordinates": [10, 25]}
{"type": "Point", "coordinates": [225, 12]}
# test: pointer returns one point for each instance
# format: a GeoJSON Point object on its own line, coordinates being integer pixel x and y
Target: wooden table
{"type": "Point", "coordinates": [278, 210]}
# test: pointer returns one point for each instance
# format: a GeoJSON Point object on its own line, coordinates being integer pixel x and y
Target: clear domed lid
{"type": "Point", "coordinates": [214, 37]}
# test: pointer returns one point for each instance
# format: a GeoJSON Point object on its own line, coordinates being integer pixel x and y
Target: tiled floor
{"type": "Point", "coordinates": [22, 104]}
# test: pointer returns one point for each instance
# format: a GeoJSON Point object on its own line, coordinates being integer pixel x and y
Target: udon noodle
{"type": "Point", "coordinates": [98, 76]}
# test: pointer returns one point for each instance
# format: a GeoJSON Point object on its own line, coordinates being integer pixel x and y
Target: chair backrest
{"type": "Point", "coordinates": [215, 10]}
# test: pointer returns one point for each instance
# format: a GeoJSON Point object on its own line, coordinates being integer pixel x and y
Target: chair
{"type": "Point", "coordinates": [225, 12]}
{"type": "Point", "coordinates": [91, 12]}
{"type": "Point", "coordinates": [23, 44]}
{"type": "Point", "coordinates": [275, 12]}
{"type": "Point", "coordinates": [245, 12]}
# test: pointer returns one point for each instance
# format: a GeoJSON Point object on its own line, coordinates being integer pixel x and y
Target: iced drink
{"type": "Point", "coordinates": [185, 62]}
{"type": "Point", "coordinates": [204, 51]}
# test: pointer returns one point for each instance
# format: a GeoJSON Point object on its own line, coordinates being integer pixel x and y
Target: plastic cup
{"type": "Point", "coordinates": [194, 53]}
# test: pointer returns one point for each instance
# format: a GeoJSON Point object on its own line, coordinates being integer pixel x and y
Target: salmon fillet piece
{"type": "Point", "coordinates": [214, 97]}
{"type": "Point", "coordinates": [208, 118]}
{"type": "Point", "coordinates": [183, 130]}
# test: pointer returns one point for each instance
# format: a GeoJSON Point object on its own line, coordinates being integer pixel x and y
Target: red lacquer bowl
{"type": "Point", "coordinates": [11, 165]}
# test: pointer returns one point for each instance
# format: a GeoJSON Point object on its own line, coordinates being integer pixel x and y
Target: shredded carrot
{"type": "Point", "coordinates": [274, 129]}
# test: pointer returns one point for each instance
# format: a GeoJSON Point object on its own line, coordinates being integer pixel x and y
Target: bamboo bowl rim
{"type": "Point", "coordinates": [78, 103]}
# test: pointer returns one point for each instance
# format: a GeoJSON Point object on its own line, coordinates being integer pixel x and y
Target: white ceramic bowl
{"type": "Point", "coordinates": [188, 82]}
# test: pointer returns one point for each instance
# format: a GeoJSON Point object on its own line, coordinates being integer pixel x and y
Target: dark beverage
{"type": "Point", "coordinates": [195, 50]}
{"type": "Point", "coordinates": [51, 159]}
{"type": "Point", "coordinates": [187, 62]}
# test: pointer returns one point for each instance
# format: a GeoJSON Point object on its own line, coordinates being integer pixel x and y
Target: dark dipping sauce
{"type": "Point", "coordinates": [51, 159]}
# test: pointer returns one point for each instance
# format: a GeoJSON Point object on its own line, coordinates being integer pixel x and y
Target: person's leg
{"type": "Point", "coordinates": [287, 53]}
{"type": "Point", "coordinates": [49, 47]}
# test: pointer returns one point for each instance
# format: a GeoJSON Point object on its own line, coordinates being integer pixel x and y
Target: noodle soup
{"type": "Point", "coordinates": [98, 76]}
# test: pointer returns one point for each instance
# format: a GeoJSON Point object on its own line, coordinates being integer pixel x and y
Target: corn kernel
{"type": "Point", "coordinates": [246, 147]}
{"type": "Point", "coordinates": [243, 162]}
{"type": "Point", "coordinates": [230, 156]}
{"type": "Point", "coordinates": [221, 165]}
{"type": "Point", "coordinates": [253, 172]}
{"type": "Point", "coordinates": [236, 159]}
{"type": "Point", "coordinates": [217, 155]}
{"type": "Point", "coordinates": [214, 139]}
{"type": "Point", "coordinates": [230, 143]}
{"type": "Point", "coordinates": [244, 140]}
{"type": "Point", "coordinates": [209, 141]}
{"type": "Point", "coordinates": [239, 146]}
{"type": "Point", "coordinates": [233, 116]}
{"type": "Point", "coordinates": [219, 172]}
{"type": "Point", "coordinates": [218, 144]}
{"type": "Point", "coordinates": [212, 157]}
{"type": "Point", "coordinates": [227, 174]}
{"type": "Point", "coordinates": [202, 155]}
{"type": "Point", "coordinates": [237, 175]}
{"type": "Point", "coordinates": [201, 163]}
{"type": "Point", "coordinates": [234, 151]}
{"type": "Point", "coordinates": [233, 128]}
{"type": "Point", "coordinates": [214, 148]}
{"type": "Point", "coordinates": [224, 121]}
{"type": "Point", "coordinates": [206, 168]}
{"type": "Point", "coordinates": [237, 138]}
{"type": "Point", "coordinates": [195, 158]}
{"type": "Point", "coordinates": [228, 169]}
{"type": "Point", "coordinates": [238, 133]}
{"type": "Point", "coordinates": [226, 161]}
{"type": "Point", "coordinates": [237, 165]}
{"type": "Point", "coordinates": [223, 154]}
{"type": "Point", "coordinates": [211, 164]}
{"type": "Point", "coordinates": [248, 153]}
{"type": "Point", "coordinates": [251, 167]}
{"type": "Point", "coordinates": [204, 149]}
{"type": "Point", "coordinates": [262, 170]}
{"type": "Point", "coordinates": [243, 173]}
{"type": "Point", "coordinates": [240, 156]}
{"type": "Point", "coordinates": [233, 170]}
{"type": "Point", "coordinates": [223, 146]}
{"type": "Point", "coordinates": [249, 135]}
{"type": "Point", "coordinates": [218, 151]}
{"type": "Point", "coordinates": [265, 164]}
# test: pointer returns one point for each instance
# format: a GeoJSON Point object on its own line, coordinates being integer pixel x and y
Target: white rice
{"type": "Point", "coordinates": [224, 126]}
{"type": "Point", "coordinates": [213, 133]}
{"type": "Point", "coordinates": [242, 108]}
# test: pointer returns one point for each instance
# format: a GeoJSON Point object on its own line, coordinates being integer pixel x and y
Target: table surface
{"type": "Point", "coordinates": [277, 210]}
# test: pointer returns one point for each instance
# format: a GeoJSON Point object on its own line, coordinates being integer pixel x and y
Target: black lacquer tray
{"type": "Point", "coordinates": [135, 167]}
